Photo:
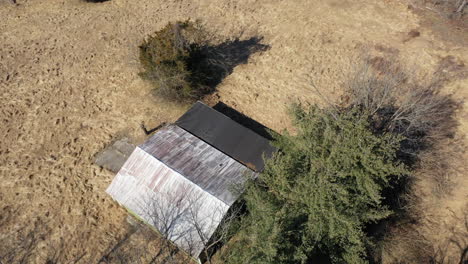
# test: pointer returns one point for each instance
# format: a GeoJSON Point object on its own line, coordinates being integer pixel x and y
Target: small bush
{"type": "Point", "coordinates": [416, 110]}
{"type": "Point", "coordinates": [184, 62]}
{"type": "Point", "coordinates": [168, 61]}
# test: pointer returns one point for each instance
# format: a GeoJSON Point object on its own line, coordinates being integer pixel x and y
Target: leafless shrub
{"type": "Point", "coordinates": [401, 102]}
{"type": "Point", "coordinates": [374, 85]}
{"type": "Point", "coordinates": [419, 111]}
{"type": "Point", "coordinates": [406, 245]}
{"type": "Point", "coordinates": [403, 106]}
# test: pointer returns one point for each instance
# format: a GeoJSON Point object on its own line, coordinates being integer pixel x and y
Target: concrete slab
{"type": "Point", "coordinates": [114, 156]}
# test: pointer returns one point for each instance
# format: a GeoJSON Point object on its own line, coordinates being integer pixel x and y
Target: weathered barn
{"type": "Point", "coordinates": [184, 178]}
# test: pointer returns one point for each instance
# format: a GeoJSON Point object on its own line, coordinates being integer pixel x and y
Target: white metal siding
{"type": "Point", "coordinates": [143, 179]}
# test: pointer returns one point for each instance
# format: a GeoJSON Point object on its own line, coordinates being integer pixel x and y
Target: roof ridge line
{"type": "Point", "coordinates": [240, 162]}
{"type": "Point", "coordinates": [183, 176]}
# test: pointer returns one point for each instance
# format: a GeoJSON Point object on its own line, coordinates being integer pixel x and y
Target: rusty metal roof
{"type": "Point", "coordinates": [226, 135]}
{"type": "Point", "coordinates": [161, 196]}
{"type": "Point", "coordinates": [202, 164]}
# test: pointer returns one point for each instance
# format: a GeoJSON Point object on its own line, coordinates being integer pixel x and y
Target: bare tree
{"type": "Point", "coordinates": [211, 241]}
{"type": "Point", "coordinates": [189, 218]}
{"type": "Point", "coordinates": [400, 104]}
{"type": "Point", "coordinates": [374, 87]}
{"type": "Point", "coordinates": [167, 211]}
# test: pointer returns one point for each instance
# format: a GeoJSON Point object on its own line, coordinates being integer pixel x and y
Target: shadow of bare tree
{"type": "Point", "coordinates": [456, 244]}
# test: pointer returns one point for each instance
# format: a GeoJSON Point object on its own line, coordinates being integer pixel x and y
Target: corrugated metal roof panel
{"type": "Point", "coordinates": [207, 167]}
{"type": "Point", "coordinates": [226, 135]}
{"type": "Point", "coordinates": [163, 197]}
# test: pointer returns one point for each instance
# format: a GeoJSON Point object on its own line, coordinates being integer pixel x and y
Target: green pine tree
{"type": "Point", "coordinates": [318, 193]}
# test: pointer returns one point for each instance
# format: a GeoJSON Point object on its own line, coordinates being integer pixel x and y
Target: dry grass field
{"type": "Point", "coordinates": [69, 85]}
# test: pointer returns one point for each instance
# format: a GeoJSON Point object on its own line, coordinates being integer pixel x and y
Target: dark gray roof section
{"type": "Point", "coordinates": [223, 133]}
{"type": "Point", "coordinates": [205, 166]}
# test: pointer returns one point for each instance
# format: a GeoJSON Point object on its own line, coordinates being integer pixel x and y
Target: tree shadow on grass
{"type": "Point", "coordinates": [212, 63]}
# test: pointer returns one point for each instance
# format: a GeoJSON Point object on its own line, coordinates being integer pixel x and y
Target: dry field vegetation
{"type": "Point", "coordinates": [69, 85]}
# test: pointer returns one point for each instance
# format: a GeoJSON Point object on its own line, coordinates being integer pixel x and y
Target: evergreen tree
{"type": "Point", "coordinates": [319, 191]}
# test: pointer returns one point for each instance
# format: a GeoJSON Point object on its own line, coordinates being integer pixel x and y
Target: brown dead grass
{"type": "Point", "coordinates": [69, 84]}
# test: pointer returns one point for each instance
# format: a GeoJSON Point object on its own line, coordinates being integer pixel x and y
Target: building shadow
{"type": "Point", "coordinates": [244, 120]}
